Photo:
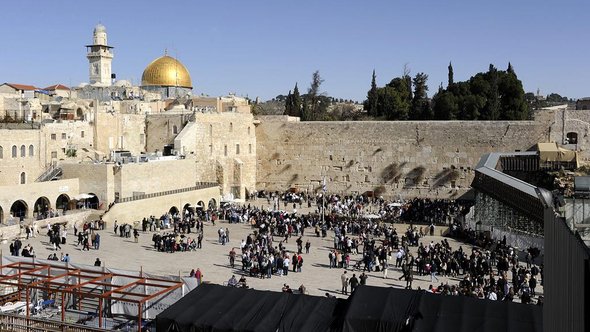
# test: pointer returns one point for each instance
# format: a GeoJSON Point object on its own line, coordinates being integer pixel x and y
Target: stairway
{"type": "Point", "coordinates": [54, 172]}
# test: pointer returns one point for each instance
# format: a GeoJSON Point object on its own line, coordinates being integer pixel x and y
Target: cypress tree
{"type": "Point", "coordinates": [451, 81]}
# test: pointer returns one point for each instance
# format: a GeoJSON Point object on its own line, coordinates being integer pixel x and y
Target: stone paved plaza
{"type": "Point", "coordinates": [212, 259]}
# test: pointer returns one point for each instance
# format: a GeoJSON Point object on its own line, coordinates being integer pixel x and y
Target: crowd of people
{"type": "Point", "coordinates": [490, 269]}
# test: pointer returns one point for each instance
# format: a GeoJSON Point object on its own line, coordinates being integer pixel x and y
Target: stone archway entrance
{"type": "Point", "coordinates": [19, 210]}
{"type": "Point", "coordinates": [212, 204]}
{"type": "Point", "coordinates": [188, 210]}
{"type": "Point", "coordinates": [173, 210]}
{"type": "Point", "coordinates": [93, 202]}
{"type": "Point", "coordinates": [41, 208]}
{"type": "Point", "coordinates": [62, 202]}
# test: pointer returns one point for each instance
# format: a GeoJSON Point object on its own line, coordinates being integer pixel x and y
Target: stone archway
{"type": "Point", "coordinates": [19, 210]}
{"type": "Point", "coordinates": [173, 210]}
{"type": "Point", "coordinates": [200, 205]}
{"type": "Point", "coordinates": [41, 207]}
{"type": "Point", "coordinates": [1, 215]}
{"type": "Point", "coordinates": [62, 202]}
{"type": "Point", "coordinates": [93, 202]}
{"type": "Point", "coordinates": [212, 204]}
{"type": "Point", "coordinates": [188, 210]}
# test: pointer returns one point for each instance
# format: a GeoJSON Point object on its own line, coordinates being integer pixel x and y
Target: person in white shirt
{"type": "Point", "coordinates": [492, 295]}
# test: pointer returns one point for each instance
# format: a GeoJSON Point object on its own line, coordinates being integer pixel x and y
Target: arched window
{"type": "Point", "coordinates": [23, 178]}
{"type": "Point", "coordinates": [231, 127]}
{"type": "Point", "coordinates": [572, 138]}
{"type": "Point", "coordinates": [248, 130]}
{"type": "Point", "coordinates": [174, 129]}
{"type": "Point", "coordinates": [210, 131]}
{"type": "Point", "coordinates": [31, 150]}
{"type": "Point", "coordinates": [23, 151]}
{"type": "Point", "coordinates": [1, 152]}
{"type": "Point", "coordinates": [14, 153]}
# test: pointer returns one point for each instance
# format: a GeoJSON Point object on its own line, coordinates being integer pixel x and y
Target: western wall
{"type": "Point", "coordinates": [392, 159]}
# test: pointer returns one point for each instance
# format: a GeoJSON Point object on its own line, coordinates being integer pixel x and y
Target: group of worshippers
{"type": "Point", "coordinates": [15, 249]}
{"type": "Point", "coordinates": [175, 242]}
{"type": "Point", "coordinates": [260, 258]}
{"type": "Point", "coordinates": [172, 231]}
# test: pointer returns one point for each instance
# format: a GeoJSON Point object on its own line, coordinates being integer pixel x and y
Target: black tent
{"type": "Point", "coordinates": [394, 309]}
{"type": "Point", "coordinates": [218, 308]}
{"type": "Point", "coordinates": [460, 313]}
{"type": "Point", "coordinates": [379, 309]}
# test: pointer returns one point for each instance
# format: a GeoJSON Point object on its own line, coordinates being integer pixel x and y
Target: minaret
{"type": "Point", "coordinates": [100, 57]}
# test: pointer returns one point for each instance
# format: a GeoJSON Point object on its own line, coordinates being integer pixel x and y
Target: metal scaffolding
{"type": "Point", "coordinates": [67, 287]}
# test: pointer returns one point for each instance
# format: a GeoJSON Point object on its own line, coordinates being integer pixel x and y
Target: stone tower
{"type": "Point", "coordinates": [100, 57]}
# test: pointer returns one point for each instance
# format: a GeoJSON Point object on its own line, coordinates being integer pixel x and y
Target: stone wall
{"type": "Point", "coordinates": [129, 212]}
{"type": "Point", "coordinates": [117, 131]}
{"type": "Point", "coordinates": [226, 151]}
{"type": "Point", "coordinates": [12, 166]}
{"type": "Point", "coordinates": [160, 129]}
{"type": "Point", "coordinates": [576, 123]}
{"type": "Point", "coordinates": [154, 176]}
{"type": "Point", "coordinates": [97, 179]}
{"type": "Point", "coordinates": [30, 193]}
{"type": "Point", "coordinates": [399, 158]}
{"type": "Point", "coordinates": [70, 219]}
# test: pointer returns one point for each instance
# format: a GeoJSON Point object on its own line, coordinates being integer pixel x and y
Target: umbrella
{"type": "Point", "coordinates": [83, 196]}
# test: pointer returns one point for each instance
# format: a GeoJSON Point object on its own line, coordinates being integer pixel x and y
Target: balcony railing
{"type": "Point", "coordinates": [199, 185]}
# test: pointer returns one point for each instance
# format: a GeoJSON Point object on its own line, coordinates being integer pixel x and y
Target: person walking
{"type": "Point", "coordinates": [344, 279]}
{"type": "Point", "coordinates": [354, 282]}
{"type": "Point", "coordinates": [433, 271]}
{"type": "Point", "coordinates": [199, 276]}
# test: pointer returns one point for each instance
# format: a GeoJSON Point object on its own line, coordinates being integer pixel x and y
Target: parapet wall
{"type": "Point", "coordinates": [397, 158]}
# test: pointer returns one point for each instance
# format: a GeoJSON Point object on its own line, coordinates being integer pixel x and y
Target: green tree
{"type": "Point", "coordinates": [513, 105]}
{"type": "Point", "coordinates": [371, 103]}
{"type": "Point", "coordinates": [296, 101]}
{"type": "Point", "coordinates": [289, 104]}
{"type": "Point", "coordinates": [315, 102]}
{"type": "Point", "coordinates": [445, 106]}
{"type": "Point", "coordinates": [420, 109]}
{"type": "Point", "coordinates": [491, 110]}
{"type": "Point", "coordinates": [451, 80]}
{"type": "Point", "coordinates": [510, 70]}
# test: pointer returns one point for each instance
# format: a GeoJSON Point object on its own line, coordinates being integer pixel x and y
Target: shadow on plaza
{"type": "Point", "coordinates": [332, 291]}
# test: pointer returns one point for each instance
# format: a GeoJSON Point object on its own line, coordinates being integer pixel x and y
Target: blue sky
{"type": "Point", "coordinates": [261, 48]}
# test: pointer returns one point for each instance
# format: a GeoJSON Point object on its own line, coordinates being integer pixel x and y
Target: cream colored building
{"type": "Point", "coordinates": [123, 144]}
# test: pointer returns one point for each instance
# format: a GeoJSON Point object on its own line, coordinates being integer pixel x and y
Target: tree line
{"type": "Point", "coordinates": [491, 95]}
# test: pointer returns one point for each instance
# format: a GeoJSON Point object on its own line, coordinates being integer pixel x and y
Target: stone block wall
{"type": "Point", "coordinates": [399, 158]}
{"type": "Point", "coordinates": [12, 166]}
{"type": "Point", "coordinates": [576, 123]}
{"type": "Point", "coordinates": [129, 212]}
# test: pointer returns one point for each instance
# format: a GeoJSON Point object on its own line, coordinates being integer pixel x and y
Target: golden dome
{"type": "Point", "coordinates": [166, 71]}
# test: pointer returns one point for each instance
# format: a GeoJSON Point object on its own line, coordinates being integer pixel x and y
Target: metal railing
{"type": "Point", "coordinates": [12, 322]}
{"type": "Point", "coordinates": [199, 185]}
{"type": "Point", "coordinates": [49, 174]}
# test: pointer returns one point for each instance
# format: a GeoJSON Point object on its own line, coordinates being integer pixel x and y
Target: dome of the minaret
{"type": "Point", "coordinates": [100, 28]}
{"type": "Point", "coordinates": [166, 71]}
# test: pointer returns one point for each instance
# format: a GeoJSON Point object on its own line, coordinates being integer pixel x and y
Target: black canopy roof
{"type": "Point", "coordinates": [218, 308]}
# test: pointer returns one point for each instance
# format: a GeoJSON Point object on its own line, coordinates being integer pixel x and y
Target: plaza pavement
{"type": "Point", "coordinates": [212, 259]}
